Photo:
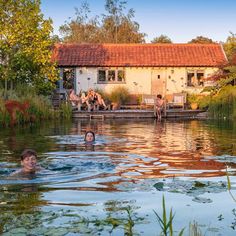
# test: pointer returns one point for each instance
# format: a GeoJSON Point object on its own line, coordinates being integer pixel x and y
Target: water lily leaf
{"type": "Point", "coordinates": [202, 200]}
{"type": "Point", "coordinates": [159, 186]}
{"type": "Point", "coordinates": [198, 184]}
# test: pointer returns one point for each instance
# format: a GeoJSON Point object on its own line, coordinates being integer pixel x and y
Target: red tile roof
{"type": "Point", "coordinates": [144, 55]}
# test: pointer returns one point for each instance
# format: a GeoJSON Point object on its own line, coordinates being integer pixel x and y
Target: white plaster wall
{"type": "Point", "coordinates": [138, 80]}
{"type": "Point", "coordinates": [177, 79]}
{"type": "Point", "coordinates": [82, 75]}
{"type": "Point", "coordinates": [141, 77]}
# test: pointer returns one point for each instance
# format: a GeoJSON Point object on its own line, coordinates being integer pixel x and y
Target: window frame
{"type": "Point", "coordinates": [195, 74]}
{"type": "Point", "coordinates": [109, 71]}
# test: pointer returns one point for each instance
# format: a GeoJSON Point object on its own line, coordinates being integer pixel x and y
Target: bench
{"type": "Point", "coordinates": [148, 101]}
{"type": "Point", "coordinates": [177, 100]}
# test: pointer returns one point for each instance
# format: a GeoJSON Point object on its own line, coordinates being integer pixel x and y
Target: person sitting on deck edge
{"type": "Point", "coordinates": [159, 107]}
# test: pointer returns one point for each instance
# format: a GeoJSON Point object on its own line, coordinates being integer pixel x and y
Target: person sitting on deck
{"type": "Point", "coordinates": [96, 99]}
{"type": "Point", "coordinates": [78, 101]}
{"type": "Point", "coordinates": [75, 99]}
{"type": "Point", "coordinates": [29, 164]}
{"type": "Point", "coordinates": [159, 107]}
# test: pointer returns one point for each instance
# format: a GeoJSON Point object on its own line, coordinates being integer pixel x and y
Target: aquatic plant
{"type": "Point", "coordinates": [194, 229]}
{"type": "Point", "coordinates": [166, 223]}
{"type": "Point", "coordinates": [223, 104]}
{"type": "Point", "coordinates": [229, 185]}
{"type": "Point", "coordinates": [66, 111]}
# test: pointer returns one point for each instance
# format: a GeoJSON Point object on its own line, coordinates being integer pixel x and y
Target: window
{"type": "Point", "coordinates": [120, 76]}
{"type": "Point", "coordinates": [68, 78]}
{"type": "Point", "coordinates": [102, 75]}
{"type": "Point", "coordinates": [200, 77]}
{"type": "Point", "coordinates": [195, 78]}
{"type": "Point", "coordinates": [190, 78]}
{"type": "Point", "coordinates": [111, 76]}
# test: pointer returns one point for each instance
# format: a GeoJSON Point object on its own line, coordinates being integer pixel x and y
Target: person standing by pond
{"type": "Point", "coordinates": [159, 106]}
{"type": "Point", "coordinates": [28, 163]}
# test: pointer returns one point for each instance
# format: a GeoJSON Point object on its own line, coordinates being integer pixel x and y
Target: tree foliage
{"type": "Point", "coordinates": [82, 29]}
{"type": "Point", "coordinates": [114, 27]}
{"type": "Point", "coordinates": [201, 39]}
{"type": "Point", "coordinates": [25, 43]}
{"type": "Point", "coordinates": [161, 39]}
{"type": "Point", "coordinates": [230, 47]}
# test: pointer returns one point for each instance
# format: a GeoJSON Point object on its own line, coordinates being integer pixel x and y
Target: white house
{"type": "Point", "coordinates": [142, 68]}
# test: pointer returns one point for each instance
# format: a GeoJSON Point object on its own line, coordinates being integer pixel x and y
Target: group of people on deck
{"type": "Point", "coordinates": [92, 100]}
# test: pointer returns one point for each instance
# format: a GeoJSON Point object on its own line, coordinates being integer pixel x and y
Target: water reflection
{"type": "Point", "coordinates": [128, 157]}
{"type": "Point", "coordinates": [144, 149]}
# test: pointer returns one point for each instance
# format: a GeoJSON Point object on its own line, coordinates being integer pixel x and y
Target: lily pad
{"type": "Point", "coordinates": [202, 200]}
{"type": "Point", "coordinates": [159, 186]}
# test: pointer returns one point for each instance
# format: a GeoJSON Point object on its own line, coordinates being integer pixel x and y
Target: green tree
{"type": "Point", "coordinates": [201, 39]}
{"type": "Point", "coordinates": [114, 27]}
{"type": "Point", "coordinates": [161, 39]}
{"type": "Point", "coordinates": [25, 44]}
{"type": "Point", "coordinates": [82, 29]}
{"type": "Point", "coordinates": [230, 47]}
{"type": "Point", "coordinates": [118, 26]}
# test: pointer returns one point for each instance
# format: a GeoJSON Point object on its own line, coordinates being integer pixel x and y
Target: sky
{"type": "Point", "coordinates": [180, 20]}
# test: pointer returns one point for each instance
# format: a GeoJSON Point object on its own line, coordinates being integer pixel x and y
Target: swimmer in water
{"type": "Point", "coordinates": [89, 137]}
{"type": "Point", "coordinates": [28, 163]}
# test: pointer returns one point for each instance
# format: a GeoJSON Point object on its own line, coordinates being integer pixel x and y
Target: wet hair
{"type": "Point", "coordinates": [159, 96]}
{"type": "Point", "coordinates": [28, 153]}
{"type": "Point", "coordinates": [91, 132]}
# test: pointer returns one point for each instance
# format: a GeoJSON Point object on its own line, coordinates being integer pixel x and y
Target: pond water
{"type": "Point", "coordinates": [114, 186]}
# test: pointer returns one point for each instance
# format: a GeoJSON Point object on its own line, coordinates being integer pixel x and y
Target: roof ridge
{"type": "Point", "coordinates": [139, 44]}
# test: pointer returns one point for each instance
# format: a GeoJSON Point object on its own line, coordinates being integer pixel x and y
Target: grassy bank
{"type": "Point", "coordinates": [223, 104]}
{"type": "Point", "coordinates": [40, 107]}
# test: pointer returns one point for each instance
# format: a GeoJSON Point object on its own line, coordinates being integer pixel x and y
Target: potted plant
{"type": "Point", "coordinates": [193, 101]}
{"type": "Point", "coordinates": [119, 96]}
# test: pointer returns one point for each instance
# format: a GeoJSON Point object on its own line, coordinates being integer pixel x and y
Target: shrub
{"type": "Point", "coordinates": [223, 104]}
{"type": "Point", "coordinates": [40, 106]}
{"type": "Point", "coordinates": [119, 95]}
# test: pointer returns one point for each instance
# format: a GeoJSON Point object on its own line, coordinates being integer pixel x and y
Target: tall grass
{"type": "Point", "coordinates": [223, 104]}
{"type": "Point", "coordinates": [194, 229]}
{"type": "Point", "coordinates": [40, 106]}
{"type": "Point", "coordinates": [66, 111]}
{"type": "Point", "coordinates": [165, 222]}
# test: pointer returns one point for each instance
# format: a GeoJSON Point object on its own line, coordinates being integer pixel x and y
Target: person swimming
{"type": "Point", "coordinates": [89, 136]}
{"type": "Point", "coordinates": [28, 163]}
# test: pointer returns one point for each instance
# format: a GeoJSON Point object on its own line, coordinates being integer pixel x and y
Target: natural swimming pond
{"type": "Point", "coordinates": [114, 186]}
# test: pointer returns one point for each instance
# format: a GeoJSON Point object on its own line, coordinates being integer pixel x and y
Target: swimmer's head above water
{"type": "Point", "coordinates": [89, 136]}
{"type": "Point", "coordinates": [29, 161]}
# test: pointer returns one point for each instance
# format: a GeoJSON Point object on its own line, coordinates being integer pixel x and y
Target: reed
{"type": "Point", "coordinates": [223, 104]}
{"type": "Point", "coordinates": [66, 111]}
{"type": "Point", "coordinates": [194, 229]}
{"type": "Point", "coordinates": [166, 223]}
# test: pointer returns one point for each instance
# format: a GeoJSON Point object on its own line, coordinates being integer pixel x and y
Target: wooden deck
{"type": "Point", "coordinates": [129, 114]}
